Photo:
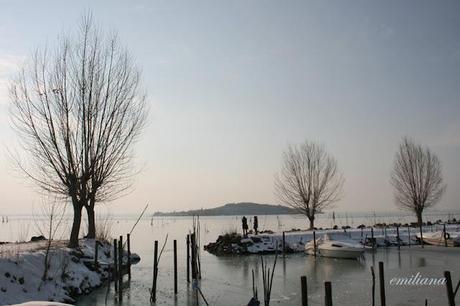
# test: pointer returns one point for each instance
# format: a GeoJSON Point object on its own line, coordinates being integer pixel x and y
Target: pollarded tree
{"type": "Point", "coordinates": [416, 178]}
{"type": "Point", "coordinates": [309, 180]}
{"type": "Point", "coordinates": [78, 111]}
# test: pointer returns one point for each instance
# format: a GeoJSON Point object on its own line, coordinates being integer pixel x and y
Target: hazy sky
{"type": "Point", "coordinates": [231, 83]}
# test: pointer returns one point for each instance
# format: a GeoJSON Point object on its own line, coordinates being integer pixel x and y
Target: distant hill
{"type": "Point", "coordinates": [234, 209]}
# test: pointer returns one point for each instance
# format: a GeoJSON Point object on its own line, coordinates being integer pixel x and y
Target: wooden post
{"type": "Point", "coordinates": [408, 234]}
{"type": "Point", "coordinates": [372, 238]}
{"type": "Point", "coordinates": [314, 243]}
{"type": "Point", "coordinates": [397, 237]}
{"type": "Point", "coordinates": [444, 235]}
{"type": "Point", "coordinates": [153, 293]}
{"type": "Point", "coordinates": [175, 266]}
{"type": "Point", "coordinates": [373, 285]}
{"type": "Point", "coordinates": [328, 296]}
{"type": "Point", "coordinates": [450, 291]}
{"type": "Point", "coordinates": [382, 284]}
{"type": "Point", "coordinates": [192, 240]}
{"type": "Point", "coordinates": [120, 269]}
{"type": "Point", "coordinates": [188, 258]}
{"type": "Point", "coordinates": [385, 235]}
{"type": "Point", "coordinates": [303, 282]}
{"type": "Point", "coordinates": [128, 240]}
{"type": "Point", "coordinates": [284, 244]}
{"type": "Point", "coordinates": [421, 236]}
{"type": "Point", "coordinates": [96, 252]}
{"type": "Point", "coordinates": [115, 264]}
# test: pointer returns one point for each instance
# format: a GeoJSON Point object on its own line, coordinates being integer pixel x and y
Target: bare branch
{"type": "Point", "coordinates": [309, 180]}
{"type": "Point", "coordinates": [416, 178]}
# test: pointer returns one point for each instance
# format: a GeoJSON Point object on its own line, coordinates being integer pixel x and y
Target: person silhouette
{"type": "Point", "coordinates": [256, 225]}
{"type": "Point", "coordinates": [244, 222]}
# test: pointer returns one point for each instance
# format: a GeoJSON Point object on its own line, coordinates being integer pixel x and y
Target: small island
{"type": "Point", "coordinates": [235, 209]}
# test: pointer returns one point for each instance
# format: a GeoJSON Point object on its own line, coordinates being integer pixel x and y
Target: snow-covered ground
{"type": "Point", "coordinates": [22, 268]}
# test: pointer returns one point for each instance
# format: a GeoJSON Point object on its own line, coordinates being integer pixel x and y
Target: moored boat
{"type": "Point", "coordinates": [437, 238]}
{"type": "Point", "coordinates": [343, 248]}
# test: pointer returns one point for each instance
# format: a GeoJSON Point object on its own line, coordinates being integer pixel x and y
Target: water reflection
{"type": "Point", "coordinates": [227, 280]}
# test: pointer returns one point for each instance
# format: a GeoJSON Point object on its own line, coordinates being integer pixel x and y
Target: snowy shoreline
{"type": "Point", "coordinates": [263, 243]}
{"type": "Point", "coordinates": [71, 272]}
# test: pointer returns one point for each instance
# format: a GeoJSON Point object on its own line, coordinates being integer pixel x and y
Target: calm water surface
{"type": "Point", "coordinates": [228, 280]}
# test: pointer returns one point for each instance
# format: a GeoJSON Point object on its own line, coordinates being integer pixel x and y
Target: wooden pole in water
{"type": "Point", "coordinates": [175, 266]}
{"type": "Point", "coordinates": [96, 252]}
{"type": "Point", "coordinates": [408, 234]}
{"type": "Point", "coordinates": [284, 244]}
{"type": "Point", "coordinates": [192, 240]}
{"type": "Point", "coordinates": [303, 282]}
{"type": "Point", "coordinates": [385, 235]}
{"type": "Point", "coordinates": [188, 258]}
{"type": "Point", "coordinates": [328, 296]}
{"type": "Point", "coordinates": [444, 235]}
{"type": "Point", "coordinates": [153, 293]}
{"type": "Point", "coordinates": [382, 284]}
{"type": "Point", "coordinates": [372, 238]}
{"type": "Point", "coordinates": [314, 243]}
{"type": "Point", "coordinates": [450, 291]}
{"type": "Point", "coordinates": [373, 285]}
{"type": "Point", "coordinates": [120, 269]}
{"type": "Point", "coordinates": [128, 239]}
{"type": "Point", "coordinates": [115, 264]}
{"type": "Point", "coordinates": [421, 235]}
{"type": "Point", "coordinates": [397, 237]}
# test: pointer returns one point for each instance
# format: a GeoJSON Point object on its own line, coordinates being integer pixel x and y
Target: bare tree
{"type": "Point", "coordinates": [309, 180]}
{"type": "Point", "coordinates": [78, 110]}
{"type": "Point", "coordinates": [416, 178]}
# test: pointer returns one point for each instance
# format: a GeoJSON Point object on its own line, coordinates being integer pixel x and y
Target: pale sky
{"type": "Point", "coordinates": [232, 83]}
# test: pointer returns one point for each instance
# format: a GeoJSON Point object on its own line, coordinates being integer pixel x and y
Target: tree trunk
{"type": "Point", "coordinates": [312, 222]}
{"type": "Point", "coordinates": [73, 241]}
{"type": "Point", "coordinates": [91, 222]}
{"type": "Point", "coordinates": [419, 218]}
{"type": "Point", "coordinates": [420, 224]}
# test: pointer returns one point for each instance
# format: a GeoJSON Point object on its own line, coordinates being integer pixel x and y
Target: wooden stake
{"type": "Point", "coordinates": [284, 243]}
{"type": "Point", "coordinates": [314, 243]}
{"type": "Point", "coordinates": [373, 286]}
{"type": "Point", "coordinates": [372, 238]}
{"type": "Point", "coordinates": [128, 239]}
{"type": "Point", "coordinates": [382, 284]}
{"type": "Point", "coordinates": [450, 291]}
{"type": "Point", "coordinates": [194, 267]}
{"type": "Point", "coordinates": [444, 235]}
{"type": "Point", "coordinates": [421, 236]}
{"type": "Point", "coordinates": [408, 234]}
{"type": "Point", "coordinates": [153, 293]}
{"type": "Point", "coordinates": [120, 269]}
{"type": "Point", "coordinates": [175, 266]}
{"type": "Point", "coordinates": [188, 258]}
{"type": "Point", "coordinates": [303, 282]}
{"type": "Point", "coordinates": [328, 296]}
{"type": "Point", "coordinates": [115, 264]}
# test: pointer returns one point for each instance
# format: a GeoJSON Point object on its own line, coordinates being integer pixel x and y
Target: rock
{"type": "Point", "coordinates": [37, 238]}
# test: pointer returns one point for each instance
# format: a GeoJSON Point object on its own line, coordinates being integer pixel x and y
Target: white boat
{"type": "Point", "coordinates": [327, 247]}
{"type": "Point", "coordinates": [437, 238]}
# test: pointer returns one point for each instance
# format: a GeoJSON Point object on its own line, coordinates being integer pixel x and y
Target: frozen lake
{"type": "Point", "coordinates": [228, 280]}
